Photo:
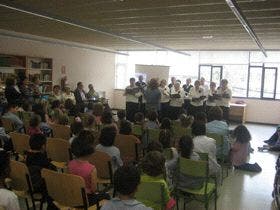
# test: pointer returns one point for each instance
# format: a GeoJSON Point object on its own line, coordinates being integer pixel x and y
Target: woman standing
{"type": "Point", "coordinates": [211, 97]}
{"type": "Point", "coordinates": [152, 96]}
{"type": "Point", "coordinates": [224, 94]}
{"type": "Point", "coordinates": [176, 101]}
{"type": "Point", "coordinates": [197, 97]}
{"type": "Point", "coordinates": [165, 98]}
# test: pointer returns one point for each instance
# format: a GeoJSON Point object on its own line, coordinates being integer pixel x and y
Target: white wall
{"type": "Point", "coordinates": [83, 65]}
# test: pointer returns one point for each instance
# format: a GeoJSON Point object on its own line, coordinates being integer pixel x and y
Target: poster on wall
{"type": "Point", "coordinates": [152, 71]}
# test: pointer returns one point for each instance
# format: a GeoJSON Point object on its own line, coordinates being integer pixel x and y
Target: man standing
{"type": "Point", "coordinates": [142, 87]}
{"type": "Point", "coordinates": [187, 87]}
{"type": "Point", "coordinates": [80, 96]}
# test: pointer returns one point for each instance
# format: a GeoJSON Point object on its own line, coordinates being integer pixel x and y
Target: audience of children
{"type": "Point", "coordinates": [8, 199]}
{"type": "Point", "coordinates": [106, 139]}
{"type": "Point", "coordinates": [82, 148]}
{"type": "Point", "coordinates": [240, 150]}
{"type": "Point", "coordinates": [126, 181]}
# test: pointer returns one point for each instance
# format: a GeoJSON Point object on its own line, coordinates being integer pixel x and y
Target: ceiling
{"type": "Point", "coordinates": [177, 24]}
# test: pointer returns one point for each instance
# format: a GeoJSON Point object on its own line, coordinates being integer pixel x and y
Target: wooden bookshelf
{"type": "Point", "coordinates": [30, 66]}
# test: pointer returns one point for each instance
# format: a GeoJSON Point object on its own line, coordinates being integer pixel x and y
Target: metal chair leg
{"type": "Point", "coordinates": [27, 204]}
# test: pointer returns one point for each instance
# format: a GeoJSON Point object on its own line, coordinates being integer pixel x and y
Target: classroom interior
{"type": "Point", "coordinates": [101, 41]}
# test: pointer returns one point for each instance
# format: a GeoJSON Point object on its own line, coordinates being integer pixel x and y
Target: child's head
{"type": "Point", "coordinates": [69, 104]}
{"type": "Point", "coordinates": [186, 146]}
{"type": "Point", "coordinates": [27, 106]}
{"type": "Point", "coordinates": [165, 138]}
{"type": "Point", "coordinates": [63, 119]}
{"type": "Point", "coordinates": [186, 121]}
{"type": "Point", "coordinates": [107, 136]}
{"type": "Point", "coordinates": [90, 120]}
{"type": "Point", "coordinates": [139, 117]}
{"type": "Point", "coordinates": [155, 146]}
{"type": "Point", "coordinates": [56, 104]}
{"type": "Point", "coordinates": [200, 117]}
{"type": "Point", "coordinates": [35, 121]}
{"type": "Point", "coordinates": [242, 134]}
{"type": "Point", "coordinates": [76, 127]}
{"type": "Point", "coordinates": [153, 116]}
{"type": "Point", "coordinates": [107, 118]}
{"type": "Point", "coordinates": [121, 114]}
{"type": "Point", "coordinates": [126, 180]}
{"type": "Point", "coordinates": [4, 165]}
{"type": "Point", "coordinates": [37, 142]}
{"type": "Point", "coordinates": [11, 108]}
{"type": "Point", "coordinates": [153, 163]}
{"type": "Point", "coordinates": [125, 128]}
{"type": "Point", "coordinates": [198, 129]}
{"type": "Point", "coordinates": [98, 109]}
{"type": "Point", "coordinates": [215, 113]}
{"type": "Point", "coordinates": [165, 123]}
{"type": "Point", "coordinates": [82, 145]}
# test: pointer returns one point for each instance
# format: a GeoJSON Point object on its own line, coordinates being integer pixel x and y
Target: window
{"type": "Point", "coordinates": [269, 83]}
{"type": "Point", "coordinates": [211, 73]}
{"type": "Point", "coordinates": [255, 81]}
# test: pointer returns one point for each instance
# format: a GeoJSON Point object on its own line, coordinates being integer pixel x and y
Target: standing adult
{"type": "Point", "coordinates": [165, 98]}
{"type": "Point", "coordinates": [36, 87]}
{"type": "Point", "coordinates": [173, 81]}
{"type": "Point", "coordinates": [12, 92]}
{"type": "Point", "coordinates": [132, 94]}
{"type": "Point", "coordinates": [224, 94]}
{"type": "Point", "coordinates": [177, 95]}
{"type": "Point", "coordinates": [187, 87]}
{"type": "Point", "coordinates": [142, 87]}
{"type": "Point", "coordinates": [80, 96]}
{"type": "Point", "coordinates": [25, 90]}
{"type": "Point", "coordinates": [152, 96]}
{"type": "Point", "coordinates": [197, 97]}
{"type": "Point", "coordinates": [92, 94]}
{"type": "Point", "coordinates": [211, 97]}
{"type": "Point", "coordinates": [204, 85]}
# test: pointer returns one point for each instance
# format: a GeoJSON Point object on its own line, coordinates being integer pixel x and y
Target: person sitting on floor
{"type": "Point", "coordinates": [126, 181]}
{"type": "Point", "coordinates": [240, 150]}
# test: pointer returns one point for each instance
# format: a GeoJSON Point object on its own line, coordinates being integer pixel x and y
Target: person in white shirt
{"type": "Point", "coordinates": [56, 95]}
{"type": "Point", "coordinates": [203, 85]}
{"type": "Point", "coordinates": [173, 81]}
{"type": "Point", "coordinates": [8, 199]}
{"type": "Point", "coordinates": [204, 144]}
{"type": "Point", "coordinates": [211, 97]}
{"type": "Point", "coordinates": [187, 87]}
{"type": "Point", "coordinates": [197, 97]}
{"type": "Point", "coordinates": [132, 93]}
{"type": "Point", "coordinates": [165, 98]}
{"type": "Point", "coordinates": [68, 95]}
{"type": "Point", "coordinates": [224, 96]}
{"type": "Point", "coordinates": [177, 95]}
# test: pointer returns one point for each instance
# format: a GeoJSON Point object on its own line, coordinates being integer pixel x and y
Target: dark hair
{"type": "Point", "coordinates": [132, 79]}
{"type": "Point", "coordinates": [37, 141]}
{"type": "Point", "coordinates": [90, 106]}
{"type": "Point", "coordinates": [153, 83]}
{"type": "Point", "coordinates": [63, 119]}
{"type": "Point", "coordinates": [79, 83]}
{"type": "Point", "coordinates": [35, 121]}
{"type": "Point", "coordinates": [56, 86]}
{"type": "Point", "coordinates": [165, 123]}
{"type": "Point", "coordinates": [107, 118]}
{"type": "Point", "coordinates": [215, 113]}
{"type": "Point", "coordinates": [153, 116]}
{"type": "Point", "coordinates": [186, 146]}
{"type": "Point", "coordinates": [11, 106]}
{"type": "Point", "coordinates": [107, 136]}
{"type": "Point", "coordinates": [126, 180]}
{"type": "Point", "coordinates": [4, 164]}
{"type": "Point", "coordinates": [76, 127]}
{"type": "Point", "coordinates": [165, 138]}
{"type": "Point", "coordinates": [121, 114]}
{"type": "Point", "coordinates": [125, 128]}
{"type": "Point", "coordinates": [90, 120]}
{"type": "Point", "coordinates": [10, 81]}
{"type": "Point", "coordinates": [26, 106]}
{"type": "Point", "coordinates": [55, 104]}
{"type": "Point", "coordinates": [200, 117]}
{"type": "Point", "coordinates": [83, 144]}
{"type": "Point", "coordinates": [138, 117]}
{"type": "Point", "coordinates": [98, 109]}
{"type": "Point", "coordinates": [68, 104]}
{"type": "Point", "coordinates": [153, 163]}
{"type": "Point", "coordinates": [155, 146]}
{"type": "Point", "coordinates": [198, 129]}
{"type": "Point", "coordinates": [242, 134]}
{"type": "Point", "coordinates": [186, 121]}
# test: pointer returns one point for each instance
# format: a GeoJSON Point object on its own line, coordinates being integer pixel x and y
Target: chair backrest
{"type": "Point", "coordinates": [218, 137]}
{"type": "Point", "coordinates": [58, 149]}
{"type": "Point", "coordinates": [20, 142]}
{"type": "Point", "coordinates": [203, 156]}
{"type": "Point", "coordinates": [127, 146]}
{"type": "Point", "coordinates": [20, 176]}
{"type": "Point", "coordinates": [103, 165]}
{"type": "Point", "coordinates": [153, 135]}
{"type": "Point", "coordinates": [66, 189]}
{"type": "Point", "coordinates": [151, 194]}
{"type": "Point", "coordinates": [8, 125]}
{"type": "Point", "coordinates": [180, 131]}
{"type": "Point", "coordinates": [168, 153]}
{"type": "Point", "coordinates": [61, 131]}
{"type": "Point", "coordinates": [137, 130]}
{"type": "Point", "coordinates": [194, 168]}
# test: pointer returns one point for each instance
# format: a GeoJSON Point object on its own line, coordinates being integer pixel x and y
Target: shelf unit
{"type": "Point", "coordinates": [30, 67]}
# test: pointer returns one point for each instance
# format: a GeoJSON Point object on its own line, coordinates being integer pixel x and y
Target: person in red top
{"type": "Point", "coordinates": [82, 147]}
{"type": "Point", "coordinates": [34, 125]}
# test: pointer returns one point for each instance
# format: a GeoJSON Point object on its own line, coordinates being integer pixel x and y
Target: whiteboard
{"type": "Point", "coordinates": [152, 71]}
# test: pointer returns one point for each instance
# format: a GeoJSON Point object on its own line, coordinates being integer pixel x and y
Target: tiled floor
{"type": "Point", "coordinates": [244, 190]}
